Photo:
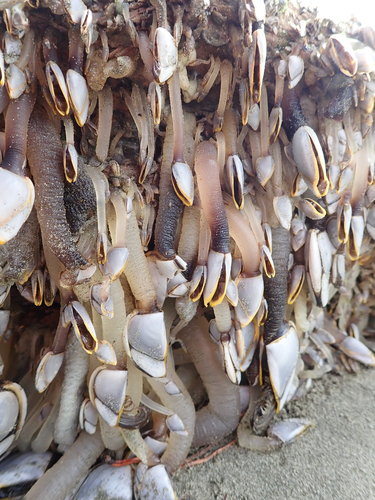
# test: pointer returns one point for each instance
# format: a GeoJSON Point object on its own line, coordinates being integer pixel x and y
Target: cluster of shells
{"type": "Point", "coordinates": [187, 210]}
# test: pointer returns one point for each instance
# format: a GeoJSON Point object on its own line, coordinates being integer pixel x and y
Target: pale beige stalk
{"type": "Point", "coordinates": [104, 123]}
{"type": "Point", "coordinates": [136, 270]}
{"type": "Point", "coordinates": [65, 476]}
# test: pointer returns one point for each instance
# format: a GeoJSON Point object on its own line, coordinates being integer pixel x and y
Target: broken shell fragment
{"type": "Point", "coordinates": [288, 430]}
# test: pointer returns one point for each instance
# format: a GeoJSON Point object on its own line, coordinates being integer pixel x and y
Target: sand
{"type": "Point", "coordinates": [334, 460]}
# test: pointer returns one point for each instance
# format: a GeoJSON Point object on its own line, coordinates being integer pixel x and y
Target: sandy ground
{"type": "Point", "coordinates": [334, 460]}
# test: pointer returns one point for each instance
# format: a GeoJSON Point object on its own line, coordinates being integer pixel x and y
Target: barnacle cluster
{"type": "Point", "coordinates": [187, 210]}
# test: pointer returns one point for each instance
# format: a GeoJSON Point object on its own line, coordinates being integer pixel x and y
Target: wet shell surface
{"type": "Point", "coordinates": [187, 230]}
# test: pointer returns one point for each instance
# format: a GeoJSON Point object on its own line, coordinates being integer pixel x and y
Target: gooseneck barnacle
{"type": "Point", "coordinates": [187, 212]}
{"type": "Point", "coordinates": [45, 156]}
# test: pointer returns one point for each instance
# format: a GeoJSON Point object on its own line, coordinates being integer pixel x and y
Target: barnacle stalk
{"type": "Point", "coordinates": [44, 148]}
{"type": "Point", "coordinates": [219, 258]}
{"type": "Point", "coordinates": [147, 309]}
{"type": "Point", "coordinates": [221, 415]}
{"type": "Point", "coordinates": [75, 464]}
{"type": "Point", "coordinates": [182, 178]}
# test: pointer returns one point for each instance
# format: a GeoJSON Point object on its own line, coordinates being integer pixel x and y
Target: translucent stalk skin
{"type": "Point", "coordinates": [137, 272]}
{"type": "Point", "coordinates": [45, 156]}
{"type": "Point", "coordinates": [76, 364]}
{"type": "Point", "coordinates": [59, 481]}
{"type": "Point", "coordinates": [16, 122]}
{"type": "Point", "coordinates": [181, 404]}
{"type": "Point", "coordinates": [177, 117]}
{"type": "Point", "coordinates": [276, 289]}
{"type": "Point", "coordinates": [210, 194]}
{"type": "Point", "coordinates": [221, 415]}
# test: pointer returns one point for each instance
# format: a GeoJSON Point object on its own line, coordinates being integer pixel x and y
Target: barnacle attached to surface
{"type": "Point", "coordinates": [186, 208]}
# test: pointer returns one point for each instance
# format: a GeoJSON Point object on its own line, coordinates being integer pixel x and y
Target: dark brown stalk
{"type": "Point", "coordinates": [79, 199]}
{"type": "Point", "coordinates": [76, 49]}
{"type": "Point", "coordinates": [45, 155]}
{"type": "Point", "coordinates": [211, 197]}
{"type": "Point", "coordinates": [293, 117]}
{"type": "Point", "coordinates": [170, 206]}
{"type": "Point", "coordinates": [276, 289]}
{"type": "Point", "coordinates": [340, 88]}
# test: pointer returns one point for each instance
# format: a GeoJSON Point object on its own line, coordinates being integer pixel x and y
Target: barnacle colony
{"type": "Point", "coordinates": [186, 193]}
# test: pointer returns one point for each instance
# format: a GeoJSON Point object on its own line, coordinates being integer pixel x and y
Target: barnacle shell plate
{"type": "Point", "coordinates": [16, 201]}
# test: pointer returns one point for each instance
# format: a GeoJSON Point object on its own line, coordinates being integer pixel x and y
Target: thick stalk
{"type": "Point", "coordinates": [178, 444]}
{"type": "Point", "coordinates": [59, 481]}
{"type": "Point", "coordinates": [276, 289]}
{"type": "Point", "coordinates": [76, 365]}
{"type": "Point", "coordinates": [221, 415]}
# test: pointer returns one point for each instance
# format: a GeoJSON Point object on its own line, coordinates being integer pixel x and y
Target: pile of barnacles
{"type": "Point", "coordinates": [187, 214]}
